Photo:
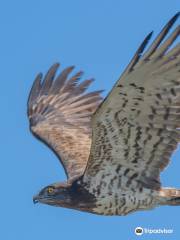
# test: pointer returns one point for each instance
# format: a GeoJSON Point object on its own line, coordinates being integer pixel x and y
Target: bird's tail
{"type": "Point", "coordinates": [169, 196]}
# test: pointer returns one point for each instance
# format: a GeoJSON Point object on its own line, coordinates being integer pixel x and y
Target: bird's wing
{"type": "Point", "coordinates": [136, 128]}
{"type": "Point", "coordinates": [60, 112]}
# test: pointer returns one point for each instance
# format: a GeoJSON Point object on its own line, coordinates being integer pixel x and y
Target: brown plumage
{"type": "Point", "coordinates": [60, 114]}
{"type": "Point", "coordinates": [134, 132]}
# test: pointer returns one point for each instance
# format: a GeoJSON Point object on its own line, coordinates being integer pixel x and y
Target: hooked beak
{"type": "Point", "coordinates": [35, 199]}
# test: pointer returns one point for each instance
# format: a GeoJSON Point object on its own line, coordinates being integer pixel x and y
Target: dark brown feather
{"type": "Point", "coordinates": [160, 37]}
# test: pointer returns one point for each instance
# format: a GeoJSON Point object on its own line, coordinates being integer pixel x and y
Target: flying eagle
{"type": "Point", "coordinates": [112, 150]}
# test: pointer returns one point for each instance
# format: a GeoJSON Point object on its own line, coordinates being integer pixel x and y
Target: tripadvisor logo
{"type": "Point", "coordinates": [139, 231]}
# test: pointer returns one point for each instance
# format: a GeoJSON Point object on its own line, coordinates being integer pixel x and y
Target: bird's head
{"type": "Point", "coordinates": [64, 195]}
{"type": "Point", "coordinates": [55, 194]}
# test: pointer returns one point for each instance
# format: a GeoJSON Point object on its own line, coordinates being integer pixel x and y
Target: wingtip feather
{"type": "Point", "coordinates": [48, 79]}
{"type": "Point", "coordinates": [35, 89]}
{"type": "Point", "coordinates": [160, 37]}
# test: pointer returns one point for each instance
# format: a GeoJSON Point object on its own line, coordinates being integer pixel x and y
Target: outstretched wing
{"type": "Point", "coordinates": [60, 112]}
{"type": "Point", "coordinates": [136, 128]}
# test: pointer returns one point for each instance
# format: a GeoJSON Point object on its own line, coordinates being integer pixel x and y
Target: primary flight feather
{"type": "Point", "coordinates": [112, 150]}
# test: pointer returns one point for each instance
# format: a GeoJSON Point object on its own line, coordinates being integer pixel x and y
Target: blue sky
{"type": "Point", "coordinates": [98, 37]}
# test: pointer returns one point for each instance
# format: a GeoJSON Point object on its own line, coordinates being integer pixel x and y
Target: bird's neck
{"type": "Point", "coordinates": [82, 199]}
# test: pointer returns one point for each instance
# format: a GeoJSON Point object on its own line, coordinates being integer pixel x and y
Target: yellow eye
{"type": "Point", "coordinates": [50, 190]}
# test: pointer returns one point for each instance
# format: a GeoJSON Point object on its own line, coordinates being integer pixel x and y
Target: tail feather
{"type": "Point", "coordinates": [169, 196]}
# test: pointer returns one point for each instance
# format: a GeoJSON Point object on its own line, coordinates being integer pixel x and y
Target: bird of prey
{"type": "Point", "coordinates": [114, 149]}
